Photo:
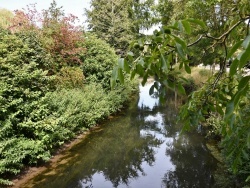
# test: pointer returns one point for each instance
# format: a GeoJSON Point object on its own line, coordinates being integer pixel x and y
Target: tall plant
{"type": "Point", "coordinates": [57, 32]}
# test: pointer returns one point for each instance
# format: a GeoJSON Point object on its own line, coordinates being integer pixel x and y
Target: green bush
{"type": "Point", "coordinates": [35, 118]}
{"type": "Point", "coordinates": [69, 77]}
{"type": "Point", "coordinates": [98, 61]}
{"type": "Point", "coordinates": [23, 83]}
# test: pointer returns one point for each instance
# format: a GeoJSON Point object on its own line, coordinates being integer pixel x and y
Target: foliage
{"type": "Point", "coordinates": [141, 14]}
{"type": "Point", "coordinates": [110, 21]}
{"type": "Point", "coordinates": [222, 93]}
{"type": "Point", "coordinates": [98, 61]}
{"type": "Point", "coordinates": [163, 12]}
{"type": "Point", "coordinates": [39, 112]}
{"type": "Point", "coordinates": [57, 33]}
{"type": "Point", "coordinates": [69, 77]}
{"type": "Point", "coordinates": [62, 36]}
{"type": "Point", "coordinates": [22, 83]}
{"type": "Point", "coordinates": [5, 17]}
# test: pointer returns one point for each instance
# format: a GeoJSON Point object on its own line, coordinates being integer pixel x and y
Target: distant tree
{"type": "Point", "coordinates": [141, 13]}
{"type": "Point", "coordinates": [5, 17]}
{"type": "Point", "coordinates": [57, 32]}
{"type": "Point", "coordinates": [110, 21]}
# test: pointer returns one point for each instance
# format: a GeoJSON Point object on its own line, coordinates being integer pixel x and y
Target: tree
{"type": "Point", "coordinates": [224, 94]}
{"type": "Point", "coordinates": [5, 18]}
{"type": "Point", "coordinates": [163, 12]}
{"type": "Point", "coordinates": [141, 14]}
{"type": "Point", "coordinates": [218, 16]}
{"type": "Point", "coordinates": [57, 33]}
{"type": "Point", "coordinates": [109, 20]}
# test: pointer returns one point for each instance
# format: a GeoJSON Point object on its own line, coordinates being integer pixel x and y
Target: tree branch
{"type": "Point", "coordinates": [229, 30]}
{"type": "Point", "coordinates": [195, 42]}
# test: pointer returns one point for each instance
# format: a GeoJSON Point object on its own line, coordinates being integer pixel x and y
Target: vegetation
{"type": "Point", "coordinates": [45, 99]}
{"type": "Point", "coordinates": [110, 21]}
{"type": "Point", "coordinates": [98, 61]}
{"type": "Point", "coordinates": [223, 36]}
{"type": "Point", "coordinates": [55, 78]}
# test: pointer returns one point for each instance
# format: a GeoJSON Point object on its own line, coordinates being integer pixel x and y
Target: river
{"type": "Point", "coordinates": [141, 148]}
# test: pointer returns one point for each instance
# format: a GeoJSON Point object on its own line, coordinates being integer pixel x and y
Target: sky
{"type": "Point", "coordinates": [75, 7]}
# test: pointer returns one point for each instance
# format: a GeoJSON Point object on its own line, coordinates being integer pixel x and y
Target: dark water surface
{"type": "Point", "coordinates": [141, 149]}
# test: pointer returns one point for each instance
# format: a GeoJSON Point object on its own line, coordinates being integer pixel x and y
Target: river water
{"type": "Point", "coordinates": [142, 148]}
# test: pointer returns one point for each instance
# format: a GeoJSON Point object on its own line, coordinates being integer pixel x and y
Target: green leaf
{"type": "Point", "coordinates": [181, 89]}
{"type": "Point", "coordinates": [180, 51]}
{"type": "Point", "coordinates": [126, 66]}
{"type": "Point", "coordinates": [234, 49]}
{"type": "Point", "coordinates": [229, 109]}
{"type": "Point", "coordinates": [180, 41]}
{"type": "Point", "coordinates": [245, 56]}
{"type": "Point", "coordinates": [158, 39]}
{"type": "Point", "coordinates": [170, 85]}
{"type": "Point", "coordinates": [173, 27]}
{"type": "Point", "coordinates": [219, 110]}
{"type": "Point", "coordinates": [180, 26]}
{"type": "Point", "coordinates": [120, 76]}
{"type": "Point", "coordinates": [246, 156]}
{"type": "Point", "coordinates": [248, 178]}
{"type": "Point", "coordinates": [133, 73]}
{"type": "Point", "coordinates": [181, 65]}
{"type": "Point", "coordinates": [246, 42]}
{"type": "Point", "coordinates": [139, 69]}
{"type": "Point", "coordinates": [186, 26]}
{"type": "Point", "coordinates": [196, 21]}
{"type": "Point", "coordinates": [232, 121]}
{"type": "Point", "coordinates": [166, 30]}
{"type": "Point", "coordinates": [248, 140]}
{"type": "Point", "coordinates": [144, 80]}
{"type": "Point", "coordinates": [112, 83]}
{"type": "Point", "coordinates": [164, 65]}
{"type": "Point", "coordinates": [141, 62]}
{"type": "Point", "coordinates": [233, 67]}
{"type": "Point", "coordinates": [243, 82]}
{"type": "Point", "coordinates": [130, 54]}
{"type": "Point", "coordinates": [187, 68]}
{"type": "Point", "coordinates": [115, 73]}
{"type": "Point", "coordinates": [121, 63]}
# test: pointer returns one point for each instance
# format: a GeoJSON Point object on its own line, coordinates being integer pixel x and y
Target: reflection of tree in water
{"type": "Point", "coordinates": [122, 159]}
{"type": "Point", "coordinates": [118, 152]}
{"type": "Point", "coordinates": [194, 165]}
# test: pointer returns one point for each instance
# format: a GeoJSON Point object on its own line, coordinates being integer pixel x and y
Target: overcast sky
{"type": "Point", "coordinates": [75, 7]}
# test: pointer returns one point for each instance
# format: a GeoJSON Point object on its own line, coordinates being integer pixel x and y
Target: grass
{"type": "Point", "coordinates": [198, 75]}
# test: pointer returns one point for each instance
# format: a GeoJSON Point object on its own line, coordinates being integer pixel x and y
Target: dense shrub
{"type": "Point", "coordinates": [39, 112]}
{"type": "Point", "coordinates": [69, 77]}
{"type": "Point", "coordinates": [98, 61]}
{"type": "Point", "coordinates": [57, 32]}
{"type": "Point", "coordinates": [23, 83]}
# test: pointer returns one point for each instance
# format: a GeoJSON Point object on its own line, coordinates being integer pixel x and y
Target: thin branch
{"type": "Point", "coordinates": [229, 30]}
{"type": "Point", "coordinates": [248, 27]}
{"type": "Point", "coordinates": [195, 42]}
{"type": "Point", "coordinates": [219, 75]}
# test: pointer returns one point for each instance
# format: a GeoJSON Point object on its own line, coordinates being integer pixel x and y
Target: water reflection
{"type": "Point", "coordinates": [140, 149]}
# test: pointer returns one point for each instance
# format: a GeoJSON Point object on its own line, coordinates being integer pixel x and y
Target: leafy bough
{"type": "Point", "coordinates": [223, 94]}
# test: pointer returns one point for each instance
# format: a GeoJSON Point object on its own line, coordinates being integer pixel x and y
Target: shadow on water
{"type": "Point", "coordinates": [142, 148]}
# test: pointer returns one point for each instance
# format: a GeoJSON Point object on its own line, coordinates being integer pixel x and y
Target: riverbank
{"type": "Point", "coordinates": [29, 173]}
{"type": "Point", "coordinates": [60, 156]}
{"type": "Point", "coordinates": [141, 148]}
